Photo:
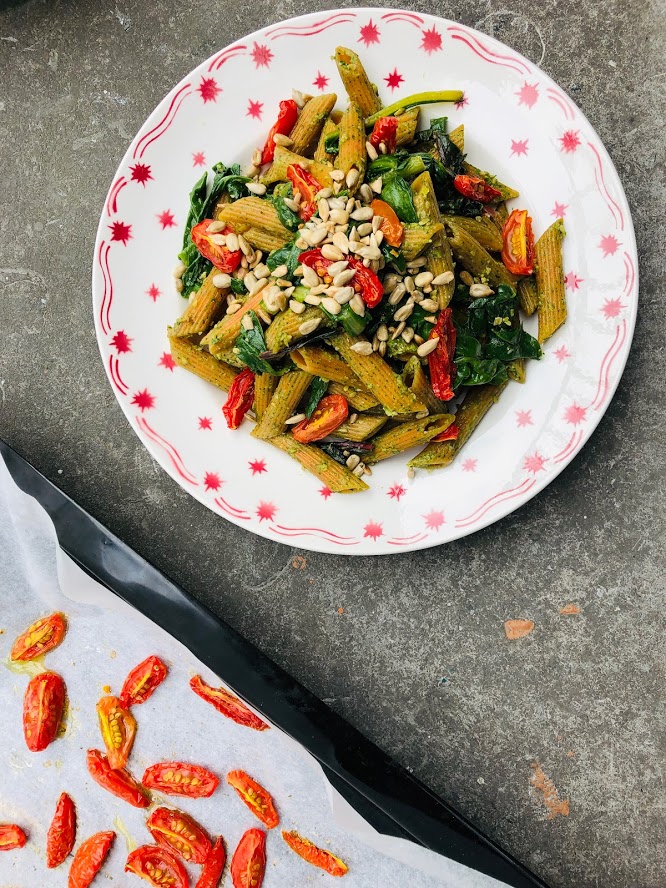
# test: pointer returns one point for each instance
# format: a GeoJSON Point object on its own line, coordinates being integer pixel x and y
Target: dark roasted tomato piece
{"type": "Point", "coordinates": [258, 799]}
{"type": "Point", "coordinates": [40, 638]}
{"type": "Point", "coordinates": [329, 413]}
{"type": "Point", "coordinates": [142, 681]}
{"type": "Point", "coordinates": [449, 434]}
{"type": "Point", "coordinates": [227, 704]}
{"type": "Point", "coordinates": [314, 855]}
{"type": "Point", "coordinates": [43, 706]}
{"type": "Point", "coordinates": [119, 782]}
{"type": "Point", "coordinates": [518, 249]}
{"type": "Point", "coordinates": [89, 858]}
{"type": "Point", "coordinates": [11, 836]}
{"type": "Point", "coordinates": [220, 255]}
{"type": "Point", "coordinates": [62, 832]}
{"type": "Point", "coordinates": [440, 361]}
{"type": "Point", "coordinates": [476, 189]}
{"type": "Point", "coordinates": [248, 864]}
{"type": "Point", "coordinates": [118, 727]}
{"type": "Point", "coordinates": [177, 778]}
{"type": "Point", "coordinates": [158, 866]}
{"type": "Point", "coordinates": [307, 186]}
{"type": "Point", "coordinates": [179, 832]}
{"type": "Point", "coordinates": [385, 130]}
{"type": "Point", "coordinates": [287, 117]}
{"type": "Point", "coordinates": [214, 866]}
{"type": "Point", "coordinates": [240, 398]}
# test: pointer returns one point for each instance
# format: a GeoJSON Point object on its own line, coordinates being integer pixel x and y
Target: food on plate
{"type": "Point", "coordinates": [157, 866]}
{"type": "Point", "coordinates": [213, 868]}
{"type": "Point", "coordinates": [314, 855]}
{"type": "Point", "coordinates": [118, 729]}
{"type": "Point", "coordinates": [359, 282]}
{"type": "Point", "coordinates": [178, 778]}
{"type": "Point", "coordinates": [227, 704]}
{"type": "Point", "coordinates": [117, 781]}
{"type": "Point", "coordinates": [11, 836]}
{"type": "Point", "coordinates": [142, 681]}
{"type": "Point", "coordinates": [258, 799]}
{"type": "Point", "coordinates": [43, 636]}
{"type": "Point", "coordinates": [89, 858]}
{"type": "Point", "coordinates": [248, 864]}
{"type": "Point", "coordinates": [177, 831]}
{"type": "Point", "coordinates": [43, 707]}
{"type": "Point", "coordinates": [62, 832]}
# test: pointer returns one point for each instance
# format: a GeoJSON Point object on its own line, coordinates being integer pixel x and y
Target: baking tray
{"type": "Point", "coordinates": [385, 794]}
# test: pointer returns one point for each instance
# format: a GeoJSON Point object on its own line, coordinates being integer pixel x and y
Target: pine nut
{"type": "Point", "coordinates": [344, 295]}
{"type": "Point", "coordinates": [297, 417]}
{"type": "Point", "coordinates": [357, 305]}
{"type": "Point", "coordinates": [359, 470]}
{"type": "Point", "coordinates": [219, 239]}
{"type": "Point", "coordinates": [397, 294]}
{"type": "Point", "coordinates": [340, 217]}
{"type": "Point", "coordinates": [366, 192]}
{"type": "Point", "coordinates": [265, 317]}
{"type": "Point", "coordinates": [261, 271]}
{"type": "Point", "coordinates": [216, 227]}
{"type": "Point", "coordinates": [318, 235]}
{"type": "Point", "coordinates": [331, 305]}
{"type": "Point", "coordinates": [256, 157]}
{"type": "Point", "coordinates": [250, 281]}
{"type": "Point", "coordinates": [178, 283]}
{"type": "Point", "coordinates": [422, 279]}
{"type": "Point", "coordinates": [398, 330]}
{"type": "Point", "coordinates": [480, 290]}
{"type": "Point", "coordinates": [466, 278]}
{"type": "Point", "coordinates": [408, 334]}
{"type": "Point", "coordinates": [444, 278]}
{"type": "Point", "coordinates": [410, 286]}
{"type": "Point", "coordinates": [377, 222]}
{"type": "Point", "coordinates": [382, 333]}
{"type": "Point", "coordinates": [233, 307]}
{"type": "Point", "coordinates": [362, 348]}
{"type": "Point", "coordinates": [293, 206]}
{"type": "Point", "coordinates": [280, 271]}
{"type": "Point", "coordinates": [363, 214]}
{"type": "Point", "coordinates": [377, 185]}
{"type": "Point", "coordinates": [372, 151]}
{"type": "Point", "coordinates": [353, 461]}
{"type": "Point", "coordinates": [343, 277]}
{"type": "Point", "coordinates": [352, 178]}
{"type": "Point", "coordinates": [296, 306]}
{"type": "Point", "coordinates": [283, 140]}
{"type": "Point", "coordinates": [310, 277]}
{"type": "Point", "coordinates": [365, 228]}
{"type": "Point", "coordinates": [379, 237]}
{"type": "Point", "coordinates": [383, 149]}
{"type": "Point", "coordinates": [382, 349]}
{"type": "Point", "coordinates": [312, 299]}
{"type": "Point", "coordinates": [337, 175]}
{"type": "Point", "coordinates": [353, 418]}
{"type": "Point", "coordinates": [309, 326]}
{"type": "Point", "coordinates": [222, 281]}
{"type": "Point", "coordinates": [428, 346]}
{"type": "Point", "coordinates": [256, 188]}
{"type": "Point", "coordinates": [179, 270]}
{"type": "Point", "coordinates": [324, 210]}
{"type": "Point", "coordinates": [320, 288]}
{"type": "Point", "coordinates": [324, 194]}
{"type": "Point", "coordinates": [403, 313]}
{"type": "Point", "coordinates": [341, 241]}
{"type": "Point", "coordinates": [429, 305]}
{"type": "Point", "coordinates": [297, 96]}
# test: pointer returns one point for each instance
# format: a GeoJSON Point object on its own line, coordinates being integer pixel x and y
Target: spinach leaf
{"type": "Point", "coordinates": [317, 391]}
{"type": "Point", "coordinates": [479, 371]}
{"type": "Point", "coordinates": [397, 193]}
{"type": "Point", "coordinates": [197, 204]}
{"type": "Point", "coordinates": [402, 162]}
{"type": "Point", "coordinates": [450, 155]}
{"type": "Point", "coordinates": [394, 255]}
{"type": "Point", "coordinates": [287, 255]}
{"type": "Point", "coordinates": [508, 344]}
{"type": "Point", "coordinates": [438, 126]}
{"type": "Point", "coordinates": [238, 287]}
{"type": "Point", "coordinates": [457, 205]}
{"type": "Point", "coordinates": [251, 344]}
{"type": "Point", "coordinates": [417, 320]}
{"type": "Point", "coordinates": [337, 449]}
{"type": "Point", "coordinates": [354, 324]}
{"type": "Point", "coordinates": [197, 269]}
{"type": "Point", "coordinates": [227, 179]}
{"type": "Point", "coordinates": [289, 218]}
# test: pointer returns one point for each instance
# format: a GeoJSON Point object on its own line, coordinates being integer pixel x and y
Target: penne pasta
{"type": "Point", "coordinates": [357, 398]}
{"type": "Point", "coordinates": [482, 228]}
{"type": "Point", "coordinates": [321, 155]}
{"type": "Point", "coordinates": [351, 149]}
{"type": "Point", "coordinates": [478, 261]}
{"type": "Point", "coordinates": [277, 171]}
{"type": "Point", "coordinates": [417, 237]}
{"type": "Point", "coordinates": [552, 303]}
{"type": "Point", "coordinates": [359, 89]}
{"type": "Point", "coordinates": [506, 192]}
{"type": "Point", "coordinates": [290, 389]}
{"type": "Point", "coordinates": [324, 363]}
{"type": "Point", "coordinates": [527, 295]}
{"type": "Point", "coordinates": [407, 435]}
{"type": "Point", "coordinates": [364, 427]}
{"type": "Point", "coordinates": [457, 136]}
{"type": "Point", "coordinates": [439, 258]}
{"type": "Point", "coordinates": [337, 478]}
{"type": "Point", "coordinates": [307, 129]}
{"type": "Point", "coordinates": [285, 327]}
{"type": "Point", "coordinates": [416, 379]}
{"type": "Point", "coordinates": [516, 370]}
{"type": "Point", "coordinates": [193, 358]}
{"type": "Point", "coordinates": [224, 333]}
{"type": "Point", "coordinates": [407, 126]}
{"type": "Point", "coordinates": [253, 212]}
{"type": "Point", "coordinates": [203, 309]}
{"type": "Point", "coordinates": [264, 386]}
{"type": "Point", "coordinates": [264, 240]}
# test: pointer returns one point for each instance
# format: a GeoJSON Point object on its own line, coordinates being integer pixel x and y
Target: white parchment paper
{"type": "Point", "coordinates": [106, 638]}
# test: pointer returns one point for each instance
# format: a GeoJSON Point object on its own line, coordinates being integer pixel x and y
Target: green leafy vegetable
{"type": "Point", "coordinates": [354, 324]}
{"type": "Point", "coordinates": [287, 255]}
{"type": "Point", "coordinates": [395, 256]}
{"type": "Point", "coordinates": [397, 193]}
{"type": "Point", "coordinates": [251, 344]}
{"type": "Point", "coordinates": [332, 143]}
{"type": "Point", "coordinates": [317, 391]}
{"type": "Point", "coordinates": [288, 217]}
{"type": "Point", "coordinates": [417, 320]}
{"type": "Point", "coordinates": [402, 162]}
{"type": "Point", "coordinates": [238, 287]}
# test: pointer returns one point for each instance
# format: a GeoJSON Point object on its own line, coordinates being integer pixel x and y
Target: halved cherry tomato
{"type": "Point", "coordinates": [476, 189]}
{"type": "Point", "coordinates": [119, 782]}
{"type": "Point", "coordinates": [258, 799]}
{"type": "Point", "coordinates": [221, 256]}
{"type": "Point", "coordinates": [177, 778]}
{"type": "Point", "coordinates": [248, 864]}
{"type": "Point", "coordinates": [118, 727]}
{"type": "Point", "coordinates": [214, 866]}
{"type": "Point", "coordinates": [62, 832]}
{"type": "Point", "coordinates": [307, 186]}
{"type": "Point", "coordinates": [227, 704]}
{"type": "Point", "coordinates": [329, 413]}
{"type": "Point", "coordinates": [40, 638]}
{"type": "Point", "coordinates": [239, 399]}
{"type": "Point", "coordinates": [365, 281]}
{"type": "Point", "coordinates": [287, 117]}
{"type": "Point", "coordinates": [142, 681]}
{"type": "Point", "coordinates": [89, 858]}
{"type": "Point", "coordinates": [449, 434]}
{"type": "Point", "coordinates": [179, 832]}
{"type": "Point", "coordinates": [157, 866]}
{"type": "Point", "coordinates": [11, 836]}
{"type": "Point", "coordinates": [518, 249]}
{"type": "Point", "coordinates": [43, 706]}
{"type": "Point", "coordinates": [385, 130]}
{"type": "Point", "coordinates": [391, 227]}
{"type": "Point", "coordinates": [440, 361]}
{"type": "Point", "coordinates": [314, 855]}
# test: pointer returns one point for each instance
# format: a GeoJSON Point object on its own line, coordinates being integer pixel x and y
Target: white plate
{"type": "Point", "coordinates": [519, 124]}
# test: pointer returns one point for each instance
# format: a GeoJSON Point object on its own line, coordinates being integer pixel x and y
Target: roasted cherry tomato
{"type": "Point", "coordinates": [177, 778]}
{"type": "Point", "coordinates": [365, 282]}
{"type": "Point", "coordinates": [518, 249]}
{"type": "Point", "coordinates": [449, 434]}
{"type": "Point", "coordinates": [227, 704]}
{"type": "Point", "coordinates": [476, 189]}
{"type": "Point", "coordinates": [62, 832]}
{"type": "Point", "coordinates": [307, 186]}
{"type": "Point", "coordinates": [89, 859]}
{"type": "Point", "coordinates": [385, 130]}
{"type": "Point", "coordinates": [40, 638]}
{"type": "Point", "coordinates": [258, 799]}
{"type": "Point", "coordinates": [239, 399]}
{"type": "Point", "coordinates": [142, 681]}
{"type": "Point", "coordinates": [43, 706]}
{"type": "Point", "coordinates": [119, 782]}
{"type": "Point", "coordinates": [179, 832]}
{"type": "Point", "coordinates": [440, 361]}
{"type": "Point", "coordinates": [221, 256]}
{"type": "Point", "coordinates": [214, 866]}
{"type": "Point", "coordinates": [157, 866]}
{"type": "Point", "coordinates": [329, 413]}
{"type": "Point", "coordinates": [118, 727]}
{"type": "Point", "coordinates": [11, 836]}
{"type": "Point", "coordinates": [287, 117]}
{"type": "Point", "coordinates": [314, 855]}
{"type": "Point", "coordinates": [391, 227]}
{"type": "Point", "coordinates": [248, 864]}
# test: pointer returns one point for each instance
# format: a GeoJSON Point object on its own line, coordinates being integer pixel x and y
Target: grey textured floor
{"type": "Point", "coordinates": [418, 660]}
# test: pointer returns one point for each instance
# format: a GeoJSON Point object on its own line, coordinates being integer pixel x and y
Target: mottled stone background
{"type": "Point", "coordinates": [418, 660]}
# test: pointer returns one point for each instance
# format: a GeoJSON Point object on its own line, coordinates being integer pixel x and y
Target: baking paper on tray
{"type": "Point", "coordinates": [105, 639]}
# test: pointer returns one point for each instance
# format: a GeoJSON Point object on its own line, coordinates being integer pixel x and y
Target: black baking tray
{"type": "Point", "coordinates": [385, 794]}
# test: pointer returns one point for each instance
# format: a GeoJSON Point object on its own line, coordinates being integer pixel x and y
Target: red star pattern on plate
{"type": "Point", "coordinates": [528, 94]}
{"type": "Point", "coordinates": [462, 103]}
{"type": "Point", "coordinates": [396, 491]}
{"type": "Point", "coordinates": [120, 231]}
{"type": "Point", "coordinates": [570, 141]}
{"type": "Point", "coordinates": [166, 219]}
{"type": "Point", "coordinates": [154, 292]}
{"type": "Point", "coordinates": [559, 210]}
{"type": "Point", "coordinates": [208, 89]}
{"type": "Point", "coordinates": [534, 463]}
{"type": "Point", "coordinates": [470, 465]}
{"type": "Point", "coordinates": [519, 147]}
{"type": "Point", "coordinates": [257, 466]}
{"type": "Point", "coordinates": [369, 34]}
{"type": "Point", "coordinates": [609, 245]}
{"type": "Point", "coordinates": [432, 40]}
{"type": "Point", "coordinates": [572, 281]}
{"type": "Point", "coordinates": [143, 400]}
{"type": "Point", "coordinates": [523, 418]}
{"type": "Point", "coordinates": [562, 353]}
{"type": "Point", "coordinates": [167, 361]}
{"type": "Point", "coordinates": [141, 173]}
{"type": "Point", "coordinates": [261, 55]}
{"type": "Point", "coordinates": [575, 414]}
{"type": "Point", "coordinates": [121, 342]}
{"type": "Point", "coordinates": [325, 492]}
{"type": "Point", "coordinates": [266, 511]}
{"type": "Point", "coordinates": [373, 530]}
{"type": "Point", "coordinates": [198, 159]}
{"type": "Point", "coordinates": [434, 519]}
{"type": "Point", "coordinates": [612, 308]}
{"type": "Point", "coordinates": [254, 109]}
{"type": "Point", "coordinates": [205, 423]}
{"type": "Point", "coordinates": [393, 80]}
{"type": "Point", "coordinates": [320, 81]}
{"type": "Point", "coordinates": [212, 481]}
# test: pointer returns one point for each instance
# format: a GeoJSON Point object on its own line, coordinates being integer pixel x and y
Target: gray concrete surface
{"type": "Point", "coordinates": [418, 660]}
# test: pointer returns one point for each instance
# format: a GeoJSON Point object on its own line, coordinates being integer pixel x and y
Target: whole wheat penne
{"type": "Point", "coordinates": [357, 83]}
{"type": "Point", "coordinates": [265, 240]}
{"type": "Point", "coordinates": [204, 307]}
{"type": "Point", "coordinates": [418, 236]}
{"type": "Point", "coordinates": [283, 158]}
{"type": "Point", "coordinates": [364, 427]}
{"type": "Point", "coordinates": [407, 126]}
{"type": "Point", "coordinates": [416, 379]}
{"type": "Point", "coordinates": [321, 155]}
{"type": "Point", "coordinates": [457, 136]}
{"type": "Point", "coordinates": [377, 376]}
{"type": "Point", "coordinates": [306, 131]}
{"type": "Point", "coordinates": [357, 398]}
{"type": "Point", "coordinates": [285, 327]}
{"type": "Point", "coordinates": [516, 370]}
{"type": "Point", "coordinates": [224, 333]}
{"type": "Point", "coordinates": [351, 147]}
{"type": "Point", "coordinates": [193, 358]}
{"type": "Point", "coordinates": [501, 215]}
{"type": "Point", "coordinates": [290, 389]}
{"type": "Point", "coordinates": [324, 363]}
{"type": "Point", "coordinates": [253, 212]}
{"type": "Point", "coordinates": [336, 477]}
{"type": "Point", "coordinates": [264, 386]}
{"type": "Point", "coordinates": [552, 303]}
{"type": "Point", "coordinates": [506, 191]}
{"type": "Point", "coordinates": [477, 260]}
{"type": "Point", "coordinates": [439, 258]}
{"type": "Point", "coordinates": [527, 295]}
{"type": "Point", "coordinates": [407, 435]}
{"type": "Point", "coordinates": [482, 229]}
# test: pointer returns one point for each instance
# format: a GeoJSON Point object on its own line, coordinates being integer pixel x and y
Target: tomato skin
{"type": "Point", "coordinates": [221, 257]}
{"type": "Point", "coordinates": [179, 833]}
{"type": "Point", "coordinates": [365, 282]}
{"type": "Point", "coordinates": [307, 186]}
{"type": "Point", "coordinates": [253, 794]}
{"type": "Point", "coordinates": [385, 130]}
{"type": "Point", "coordinates": [43, 707]}
{"type": "Point", "coordinates": [240, 398]}
{"type": "Point", "coordinates": [391, 227]}
{"type": "Point", "coordinates": [62, 832]}
{"type": "Point", "coordinates": [449, 434]}
{"type": "Point", "coordinates": [440, 361]}
{"type": "Point", "coordinates": [118, 782]}
{"type": "Point", "coordinates": [329, 413]}
{"type": "Point", "coordinates": [11, 836]}
{"type": "Point", "coordinates": [287, 117]}
{"type": "Point", "coordinates": [314, 855]}
{"type": "Point", "coordinates": [214, 866]}
{"type": "Point", "coordinates": [39, 638]}
{"type": "Point", "coordinates": [146, 859]}
{"type": "Point", "coordinates": [248, 864]}
{"type": "Point", "coordinates": [227, 704]}
{"type": "Point", "coordinates": [118, 728]}
{"type": "Point", "coordinates": [89, 858]}
{"type": "Point", "coordinates": [518, 249]}
{"type": "Point", "coordinates": [142, 681]}
{"type": "Point", "coordinates": [476, 189]}
{"type": "Point", "coordinates": [178, 778]}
